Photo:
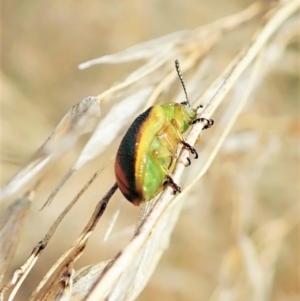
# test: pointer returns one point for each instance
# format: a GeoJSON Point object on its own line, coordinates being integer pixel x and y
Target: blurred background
{"type": "Point", "coordinates": [43, 43]}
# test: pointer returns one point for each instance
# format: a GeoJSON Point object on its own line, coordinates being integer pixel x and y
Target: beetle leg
{"type": "Point", "coordinates": [163, 153]}
{"type": "Point", "coordinates": [190, 148]}
{"type": "Point", "coordinates": [176, 188]}
{"type": "Point", "coordinates": [208, 122]}
{"type": "Point", "coordinates": [181, 140]}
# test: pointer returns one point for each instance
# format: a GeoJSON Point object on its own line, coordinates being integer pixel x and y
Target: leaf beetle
{"type": "Point", "coordinates": [146, 159]}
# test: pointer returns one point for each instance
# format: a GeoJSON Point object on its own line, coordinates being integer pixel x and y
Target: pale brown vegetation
{"type": "Point", "coordinates": [235, 225]}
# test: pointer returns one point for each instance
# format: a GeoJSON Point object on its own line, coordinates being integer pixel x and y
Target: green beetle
{"type": "Point", "coordinates": [146, 156]}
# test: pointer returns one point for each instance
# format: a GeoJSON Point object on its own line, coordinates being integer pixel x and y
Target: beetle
{"type": "Point", "coordinates": [146, 156]}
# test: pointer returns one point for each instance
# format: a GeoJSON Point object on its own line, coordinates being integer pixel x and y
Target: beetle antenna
{"type": "Point", "coordinates": [177, 66]}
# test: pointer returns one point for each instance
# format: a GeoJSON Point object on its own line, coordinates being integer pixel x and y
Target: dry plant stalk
{"type": "Point", "coordinates": [80, 119]}
{"type": "Point", "coordinates": [11, 222]}
{"type": "Point", "coordinates": [123, 277]}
